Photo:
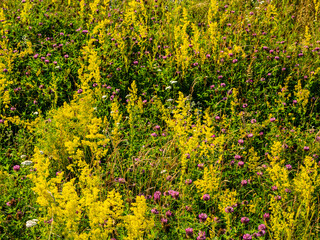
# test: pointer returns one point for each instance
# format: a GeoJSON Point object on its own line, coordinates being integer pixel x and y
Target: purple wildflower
{"type": "Point", "coordinates": [244, 182]}
{"type": "Point", "coordinates": [200, 165]}
{"type": "Point", "coordinates": [240, 163]}
{"type": "Point", "coordinates": [154, 211]}
{"type": "Point", "coordinates": [202, 217]}
{"type": "Point", "coordinates": [253, 121]}
{"type": "Point", "coordinates": [288, 167]}
{"type": "Point", "coordinates": [157, 195]}
{"type": "Point", "coordinates": [188, 181]}
{"type": "Point", "coordinates": [262, 227]}
{"type": "Point", "coordinates": [164, 220]}
{"type": "Point", "coordinates": [266, 216]}
{"type": "Point", "coordinates": [245, 220]}
{"type": "Point", "coordinates": [278, 198]}
{"type": "Point", "coordinates": [16, 168]}
{"type": "Point", "coordinates": [174, 194]}
{"type": "Point", "coordinates": [169, 213]}
{"type": "Point", "coordinates": [229, 210]}
{"type": "Point", "coordinates": [206, 197]}
{"type": "Point", "coordinates": [189, 232]}
{"type": "Point", "coordinates": [201, 236]}
{"type": "Point", "coordinates": [247, 236]}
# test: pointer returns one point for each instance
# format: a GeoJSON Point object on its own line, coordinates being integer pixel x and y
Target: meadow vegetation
{"type": "Point", "coordinates": [159, 119]}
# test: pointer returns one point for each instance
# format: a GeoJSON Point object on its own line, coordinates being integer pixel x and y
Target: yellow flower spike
{"type": "Point", "coordinates": [303, 97]}
{"type": "Point", "coordinates": [306, 181]}
{"type": "Point", "coordinates": [280, 177]}
{"type": "Point", "coordinates": [25, 11]}
{"type": "Point", "coordinates": [138, 224]}
{"type": "Point", "coordinates": [226, 199]}
{"type": "Point", "coordinates": [210, 182]}
{"type": "Point", "coordinates": [253, 160]}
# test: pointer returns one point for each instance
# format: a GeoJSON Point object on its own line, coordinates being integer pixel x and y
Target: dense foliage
{"type": "Point", "coordinates": [159, 119]}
